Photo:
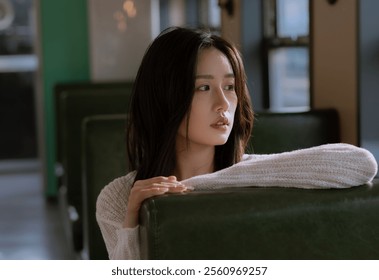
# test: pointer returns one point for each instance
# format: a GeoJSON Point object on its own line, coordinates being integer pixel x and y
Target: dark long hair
{"type": "Point", "coordinates": [162, 97]}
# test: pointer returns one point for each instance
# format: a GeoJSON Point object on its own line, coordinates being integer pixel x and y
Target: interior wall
{"type": "Point", "coordinates": [334, 62]}
{"type": "Point", "coordinates": [119, 37]}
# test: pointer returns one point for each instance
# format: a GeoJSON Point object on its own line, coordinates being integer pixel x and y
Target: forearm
{"type": "Point", "coordinates": [122, 243]}
{"type": "Point", "coordinates": [127, 246]}
{"type": "Point", "coordinates": [327, 166]}
{"type": "Point", "coordinates": [111, 208]}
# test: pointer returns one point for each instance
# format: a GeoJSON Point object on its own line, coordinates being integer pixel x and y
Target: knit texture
{"type": "Point", "coordinates": [326, 166]}
{"type": "Point", "coordinates": [321, 167]}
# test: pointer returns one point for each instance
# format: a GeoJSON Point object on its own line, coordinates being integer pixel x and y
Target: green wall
{"type": "Point", "coordinates": [64, 58]}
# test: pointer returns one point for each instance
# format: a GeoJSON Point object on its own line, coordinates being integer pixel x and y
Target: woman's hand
{"type": "Point", "coordinates": [144, 189]}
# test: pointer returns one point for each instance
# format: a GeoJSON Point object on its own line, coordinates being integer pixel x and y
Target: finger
{"type": "Point", "coordinates": [172, 184]}
{"type": "Point", "coordinates": [150, 192]}
{"type": "Point", "coordinates": [167, 187]}
{"type": "Point", "coordinates": [151, 181]}
{"type": "Point", "coordinates": [155, 180]}
{"type": "Point", "coordinates": [172, 178]}
{"type": "Point", "coordinates": [177, 189]}
{"type": "Point", "coordinates": [156, 188]}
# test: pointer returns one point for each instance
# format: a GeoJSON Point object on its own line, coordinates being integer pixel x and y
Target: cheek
{"type": "Point", "coordinates": [233, 102]}
{"type": "Point", "coordinates": [194, 122]}
{"type": "Point", "coordinates": [199, 108]}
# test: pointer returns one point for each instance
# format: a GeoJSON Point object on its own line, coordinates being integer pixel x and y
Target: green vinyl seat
{"type": "Point", "coordinates": [104, 159]}
{"type": "Point", "coordinates": [75, 102]}
{"type": "Point", "coordinates": [263, 224]}
{"type": "Point", "coordinates": [276, 132]}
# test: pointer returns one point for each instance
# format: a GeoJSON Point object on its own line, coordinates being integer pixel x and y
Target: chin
{"type": "Point", "coordinates": [211, 139]}
{"type": "Point", "coordinates": [220, 142]}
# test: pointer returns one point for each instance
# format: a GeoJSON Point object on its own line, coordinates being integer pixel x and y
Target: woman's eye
{"type": "Point", "coordinates": [203, 88]}
{"type": "Point", "coordinates": [229, 87]}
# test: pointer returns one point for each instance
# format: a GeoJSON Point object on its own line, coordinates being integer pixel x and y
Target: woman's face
{"type": "Point", "coordinates": [214, 102]}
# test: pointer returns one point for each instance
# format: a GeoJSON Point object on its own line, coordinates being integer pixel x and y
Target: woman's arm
{"type": "Point", "coordinates": [117, 211]}
{"type": "Point", "coordinates": [326, 166]}
{"type": "Point", "coordinates": [111, 206]}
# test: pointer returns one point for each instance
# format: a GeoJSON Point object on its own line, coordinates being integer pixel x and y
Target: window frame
{"type": "Point", "coordinates": [272, 41]}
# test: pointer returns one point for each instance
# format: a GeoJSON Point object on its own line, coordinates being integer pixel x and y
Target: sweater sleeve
{"type": "Point", "coordinates": [320, 167]}
{"type": "Point", "coordinates": [111, 205]}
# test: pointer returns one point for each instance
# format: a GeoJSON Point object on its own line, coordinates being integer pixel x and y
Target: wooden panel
{"type": "Point", "coordinates": [231, 25]}
{"type": "Point", "coordinates": [334, 70]}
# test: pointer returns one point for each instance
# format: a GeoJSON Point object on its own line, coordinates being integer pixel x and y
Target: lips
{"type": "Point", "coordinates": [221, 122]}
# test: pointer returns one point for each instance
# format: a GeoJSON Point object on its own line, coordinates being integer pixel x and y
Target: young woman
{"type": "Point", "coordinates": [189, 124]}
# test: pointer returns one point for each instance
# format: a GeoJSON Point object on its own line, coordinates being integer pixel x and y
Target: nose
{"type": "Point", "coordinates": [221, 103]}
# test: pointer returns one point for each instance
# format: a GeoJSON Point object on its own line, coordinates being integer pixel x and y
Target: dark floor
{"type": "Point", "coordinates": [30, 226]}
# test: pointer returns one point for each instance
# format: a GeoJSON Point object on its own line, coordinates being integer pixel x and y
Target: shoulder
{"type": "Point", "coordinates": [115, 195]}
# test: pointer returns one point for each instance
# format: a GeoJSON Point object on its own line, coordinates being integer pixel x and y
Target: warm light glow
{"type": "Point", "coordinates": [129, 11]}
{"type": "Point", "coordinates": [130, 8]}
{"type": "Point", "coordinates": [132, 13]}
{"type": "Point", "coordinates": [128, 4]}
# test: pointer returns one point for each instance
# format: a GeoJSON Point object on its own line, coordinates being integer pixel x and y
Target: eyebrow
{"type": "Point", "coordinates": [230, 75]}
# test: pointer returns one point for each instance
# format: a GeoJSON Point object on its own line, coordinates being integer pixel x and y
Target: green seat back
{"type": "Point", "coordinates": [262, 223]}
{"type": "Point", "coordinates": [73, 104]}
{"type": "Point", "coordinates": [282, 132]}
{"type": "Point", "coordinates": [104, 159]}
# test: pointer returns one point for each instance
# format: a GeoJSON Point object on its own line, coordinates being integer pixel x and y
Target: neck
{"type": "Point", "coordinates": [192, 161]}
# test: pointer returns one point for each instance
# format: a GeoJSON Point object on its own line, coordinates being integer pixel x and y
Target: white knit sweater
{"type": "Point", "coordinates": [321, 167]}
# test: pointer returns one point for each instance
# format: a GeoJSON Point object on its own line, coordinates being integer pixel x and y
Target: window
{"type": "Point", "coordinates": [286, 31]}
{"type": "Point", "coordinates": [18, 64]}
